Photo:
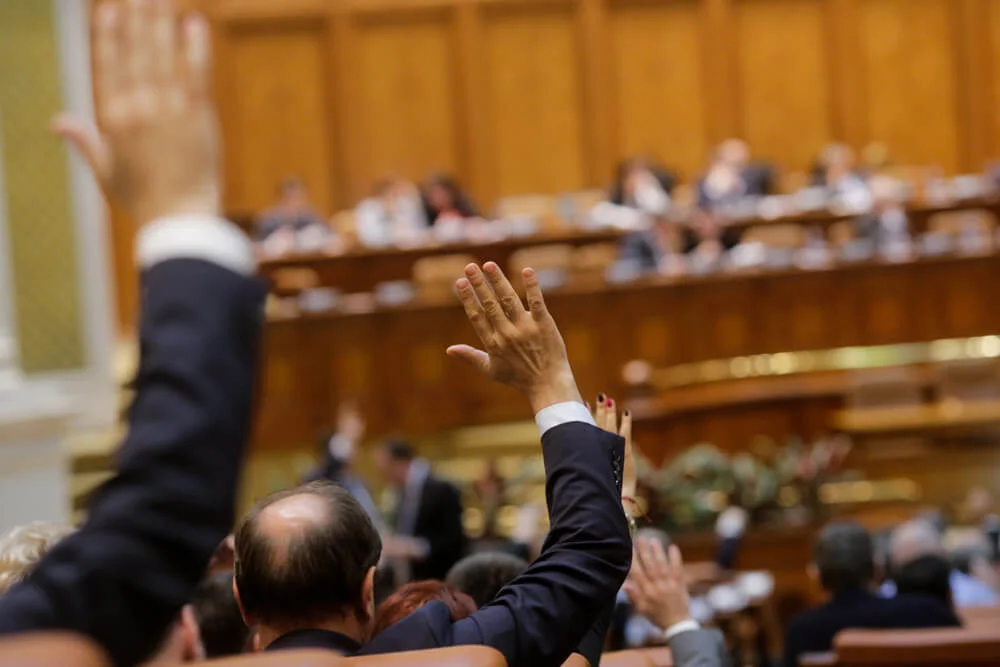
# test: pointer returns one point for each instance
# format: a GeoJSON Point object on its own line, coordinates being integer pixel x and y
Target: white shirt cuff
{"type": "Point", "coordinates": [677, 628]}
{"type": "Point", "coordinates": [205, 237]}
{"type": "Point", "coordinates": [563, 413]}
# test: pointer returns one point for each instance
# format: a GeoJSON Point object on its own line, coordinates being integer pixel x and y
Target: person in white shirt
{"type": "Point", "coordinates": [393, 216]}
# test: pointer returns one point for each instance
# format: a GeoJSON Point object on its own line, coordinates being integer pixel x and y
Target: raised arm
{"type": "Point", "coordinates": [541, 617]}
{"type": "Point", "coordinates": [153, 527]}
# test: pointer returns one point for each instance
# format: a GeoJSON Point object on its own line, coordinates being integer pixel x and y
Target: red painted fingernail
{"type": "Point", "coordinates": [626, 412]}
{"type": "Point", "coordinates": [611, 403]}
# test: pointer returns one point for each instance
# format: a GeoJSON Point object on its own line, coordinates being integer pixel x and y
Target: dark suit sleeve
{"type": "Point", "coordinates": [592, 645]}
{"type": "Point", "coordinates": [153, 527]}
{"type": "Point", "coordinates": [541, 617]}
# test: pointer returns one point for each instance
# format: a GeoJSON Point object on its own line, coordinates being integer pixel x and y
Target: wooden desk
{"type": "Point", "coordinates": [361, 269]}
{"type": "Point", "coordinates": [393, 360]}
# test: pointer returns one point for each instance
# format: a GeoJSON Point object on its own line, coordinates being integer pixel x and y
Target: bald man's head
{"type": "Point", "coordinates": [303, 556]}
{"type": "Point", "coordinates": [912, 540]}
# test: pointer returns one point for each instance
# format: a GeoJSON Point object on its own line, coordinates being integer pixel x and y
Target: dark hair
{"type": "Point", "coordinates": [415, 595]}
{"type": "Point", "coordinates": [845, 556]}
{"type": "Point", "coordinates": [322, 570]}
{"type": "Point", "coordinates": [220, 622]}
{"type": "Point", "coordinates": [460, 200]}
{"type": "Point", "coordinates": [481, 576]}
{"type": "Point", "coordinates": [926, 575]}
{"type": "Point", "coordinates": [399, 450]}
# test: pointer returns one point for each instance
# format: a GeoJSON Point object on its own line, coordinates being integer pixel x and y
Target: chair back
{"type": "Point", "coordinates": [292, 280]}
{"type": "Point", "coordinates": [591, 261]}
{"type": "Point", "coordinates": [951, 647]}
{"type": "Point", "coordinates": [544, 209]}
{"type": "Point", "coordinates": [553, 257]}
{"type": "Point", "coordinates": [954, 223]}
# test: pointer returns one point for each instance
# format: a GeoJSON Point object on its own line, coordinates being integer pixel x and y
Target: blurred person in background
{"type": "Point", "coordinates": [920, 538]}
{"type": "Point", "coordinates": [23, 546]}
{"type": "Point", "coordinates": [292, 221]}
{"type": "Point", "coordinates": [217, 614]}
{"type": "Point", "coordinates": [886, 222]}
{"type": "Point", "coordinates": [338, 452]}
{"type": "Point", "coordinates": [836, 171]}
{"type": "Point", "coordinates": [393, 215]}
{"type": "Point", "coordinates": [656, 249]}
{"type": "Point", "coordinates": [732, 176]}
{"type": "Point", "coordinates": [428, 537]}
{"type": "Point", "coordinates": [482, 575]}
{"type": "Point", "coordinates": [844, 565]}
{"type": "Point", "coordinates": [641, 185]}
{"type": "Point", "coordinates": [444, 200]}
{"type": "Point", "coordinates": [927, 575]}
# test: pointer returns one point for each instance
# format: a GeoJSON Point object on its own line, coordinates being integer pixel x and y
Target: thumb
{"type": "Point", "coordinates": [472, 356]}
{"type": "Point", "coordinates": [85, 139]}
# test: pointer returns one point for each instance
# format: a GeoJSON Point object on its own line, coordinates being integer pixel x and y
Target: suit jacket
{"type": "Point", "coordinates": [542, 616]}
{"type": "Point", "coordinates": [699, 648]}
{"type": "Point", "coordinates": [153, 527]}
{"type": "Point", "coordinates": [641, 248]}
{"type": "Point", "coordinates": [813, 631]}
{"type": "Point", "coordinates": [439, 521]}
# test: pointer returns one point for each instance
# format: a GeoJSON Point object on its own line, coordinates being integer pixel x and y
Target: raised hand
{"type": "Point", "coordinates": [606, 417]}
{"type": "Point", "coordinates": [157, 152]}
{"type": "Point", "coordinates": [522, 347]}
{"type": "Point", "coordinates": [656, 584]}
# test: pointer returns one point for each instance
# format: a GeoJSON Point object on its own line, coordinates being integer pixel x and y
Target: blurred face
{"type": "Point", "coordinates": [391, 470]}
{"type": "Point", "coordinates": [295, 198]}
{"type": "Point", "coordinates": [439, 197]}
{"type": "Point", "coordinates": [734, 153]}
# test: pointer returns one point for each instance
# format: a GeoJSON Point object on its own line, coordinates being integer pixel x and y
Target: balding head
{"type": "Point", "coordinates": [912, 540]}
{"type": "Point", "coordinates": [303, 556]}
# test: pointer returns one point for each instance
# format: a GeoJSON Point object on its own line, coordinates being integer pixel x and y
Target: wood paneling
{"type": "Point", "coordinates": [659, 82]}
{"type": "Point", "coordinates": [910, 72]}
{"type": "Point", "coordinates": [534, 99]}
{"type": "Point", "coordinates": [543, 96]}
{"type": "Point", "coordinates": [276, 112]}
{"type": "Point", "coordinates": [406, 76]}
{"type": "Point", "coordinates": [782, 78]}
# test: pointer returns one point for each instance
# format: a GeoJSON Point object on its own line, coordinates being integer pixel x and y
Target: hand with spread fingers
{"type": "Point", "coordinates": [522, 347]}
{"type": "Point", "coordinates": [656, 584]}
{"type": "Point", "coordinates": [157, 152]}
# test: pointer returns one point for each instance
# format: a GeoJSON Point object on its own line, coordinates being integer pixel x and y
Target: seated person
{"type": "Point", "coordinates": [220, 624]}
{"type": "Point", "coordinates": [444, 200]}
{"type": "Point", "coordinates": [918, 538]}
{"type": "Point", "coordinates": [835, 170]}
{"type": "Point", "coordinates": [844, 564]}
{"type": "Point", "coordinates": [292, 221]}
{"type": "Point", "coordinates": [886, 222]}
{"type": "Point", "coordinates": [482, 575]}
{"type": "Point", "coordinates": [732, 177]}
{"type": "Point", "coordinates": [393, 215]}
{"type": "Point", "coordinates": [656, 249]}
{"type": "Point", "coordinates": [926, 575]}
{"type": "Point", "coordinates": [641, 185]}
{"type": "Point", "coordinates": [22, 547]}
{"type": "Point", "coordinates": [416, 594]}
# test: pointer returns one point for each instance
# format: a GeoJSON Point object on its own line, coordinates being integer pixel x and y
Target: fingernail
{"type": "Point", "coordinates": [626, 412]}
{"type": "Point", "coordinates": [611, 403]}
{"type": "Point", "coordinates": [600, 399]}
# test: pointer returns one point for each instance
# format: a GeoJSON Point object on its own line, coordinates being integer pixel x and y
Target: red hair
{"type": "Point", "coordinates": [415, 595]}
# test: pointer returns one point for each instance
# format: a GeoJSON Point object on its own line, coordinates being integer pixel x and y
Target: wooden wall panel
{"type": "Point", "coordinates": [909, 66]}
{"type": "Point", "coordinates": [276, 113]}
{"type": "Point", "coordinates": [660, 87]}
{"type": "Point", "coordinates": [782, 79]}
{"type": "Point", "coordinates": [992, 69]}
{"type": "Point", "coordinates": [406, 79]}
{"type": "Point", "coordinates": [534, 99]}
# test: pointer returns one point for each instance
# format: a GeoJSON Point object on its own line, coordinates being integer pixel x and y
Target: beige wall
{"type": "Point", "coordinates": [42, 240]}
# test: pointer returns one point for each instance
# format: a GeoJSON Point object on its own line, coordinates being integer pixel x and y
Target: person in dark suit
{"type": "Point", "coordinates": [305, 563]}
{"type": "Point", "coordinates": [122, 579]}
{"type": "Point", "coordinates": [428, 537]}
{"type": "Point", "coordinates": [642, 185]}
{"type": "Point", "coordinates": [844, 561]}
{"type": "Point", "coordinates": [732, 176]}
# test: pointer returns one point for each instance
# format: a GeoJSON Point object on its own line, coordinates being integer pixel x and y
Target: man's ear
{"type": "Point", "coordinates": [247, 620]}
{"type": "Point", "coordinates": [368, 594]}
